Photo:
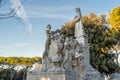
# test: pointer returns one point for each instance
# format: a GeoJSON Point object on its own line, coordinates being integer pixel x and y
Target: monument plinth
{"type": "Point", "coordinates": [51, 76]}
{"type": "Point", "coordinates": [66, 58]}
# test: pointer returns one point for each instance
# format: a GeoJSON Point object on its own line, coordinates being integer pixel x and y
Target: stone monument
{"type": "Point", "coordinates": [89, 73]}
{"type": "Point", "coordinates": [66, 58]}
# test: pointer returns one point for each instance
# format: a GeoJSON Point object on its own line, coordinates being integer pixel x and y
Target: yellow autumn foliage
{"type": "Point", "coordinates": [92, 20]}
{"type": "Point", "coordinates": [69, 24]}
{"type": "Point", "coordinates": [27, 61]}
{"type": "Point", "coordinates": [114, 18]}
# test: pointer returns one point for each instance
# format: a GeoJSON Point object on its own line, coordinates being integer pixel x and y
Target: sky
{"type": "Point", "coordinates": [17, 39]}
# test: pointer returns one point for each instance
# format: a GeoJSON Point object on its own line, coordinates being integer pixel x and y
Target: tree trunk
{"type": "Point", "coordinates": [24, 75]}
{"type": "Point", "coordinates": [11, 74]}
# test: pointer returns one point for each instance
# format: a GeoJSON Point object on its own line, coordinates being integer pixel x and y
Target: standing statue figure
{"type": "Point", "coordinates": [69, 51]}
{"type": "Point", "coordinates": [72, 44]}
{"type": "Point", "coordinates": [47, 44]}
{"type": "Point", "coordinates": [78, 23]}
{"type": "Point", "coordinates": [66, 53]}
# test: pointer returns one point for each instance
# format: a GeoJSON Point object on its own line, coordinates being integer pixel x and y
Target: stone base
{"type": "Point", "coordinates": [93, 74]}
{"type": "Point", "coordinates": [51, 76]}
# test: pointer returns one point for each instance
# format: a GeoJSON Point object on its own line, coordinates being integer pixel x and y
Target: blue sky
{"type": "Point", "coordinates": [17, 40]}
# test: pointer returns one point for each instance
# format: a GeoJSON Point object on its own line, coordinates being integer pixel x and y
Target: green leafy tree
{"type": "Point", "coordinates": [68, 29]}
{"type": "Point", "coordinates": [114, 21]}
{"type": "Point", "coordinates": [12, 63]}
{"type": "Point", "coordinates": [101, 40]}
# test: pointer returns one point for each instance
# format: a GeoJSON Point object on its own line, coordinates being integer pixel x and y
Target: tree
{"type": "Point", "coordinates": [101, 40]}
{"type": "Point", "coordinates": [114, 21]}
{"type": "Point", "coordinates": [114, 18]}
{"type": "Point", "coordinates": [12, 12]}
{"type": "Point", "coordinates": [68, 29]}
{"type": "Point", "coordinates": [13, 64]}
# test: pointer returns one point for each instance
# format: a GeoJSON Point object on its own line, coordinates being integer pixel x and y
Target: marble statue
{"type": "Point", "coordinates": [65, 52]}
{"type": "Point", "coordinates": [66, 58]}
{"type": "Point", "coordinates": [45, 58]}
{"type": "Point", "coordinates": [78, 23]}
{"type": "Point", "coordinates": [48, 33]}
{"type": "Point", "coordinates": [84, 70]}
{"type": "Point", "coordinates": [72, 44]}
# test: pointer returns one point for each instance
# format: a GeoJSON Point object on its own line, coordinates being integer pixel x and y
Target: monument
{"type": "Point", "coordinates": [89, 72]}
{"type": "Point", "coordinates": [66, 58]}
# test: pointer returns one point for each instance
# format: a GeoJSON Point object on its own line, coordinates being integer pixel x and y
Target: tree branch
{"type": "Point", "coordinates": [11, 13]}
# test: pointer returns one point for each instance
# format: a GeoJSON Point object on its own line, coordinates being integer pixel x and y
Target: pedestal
{"type": "Point", "coordinates": [51, 76]}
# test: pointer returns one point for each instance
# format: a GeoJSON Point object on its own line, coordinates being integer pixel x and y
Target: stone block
{"type": "Point", "coordinates": [51, 76]}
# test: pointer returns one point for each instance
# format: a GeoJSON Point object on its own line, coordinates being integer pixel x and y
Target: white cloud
{"type": "Point", "coordinates": [50, 8]}
{"type": "Point", "coordinates": [15, 46]}
{"type": "Point", "coordinates": [50, 12]}
{"type": "Point", "coordinates": [21, 45]}
{"type": "Point", "coordinates": [20, 13]}
{"type": "Point", "coordinates": [61, 12]}
{"type": "Point", "coordinates": [47, 15]}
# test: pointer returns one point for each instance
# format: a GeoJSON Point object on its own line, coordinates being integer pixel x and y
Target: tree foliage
{"type": "Point", "coordinates": [13, 64]}
{"type": "Point", "coordinates": [16, 61]}
{"type": "Point", "coordinates": [101, 40]}
{"type": "Point", "coordinates": [68, 29]}
{"type": "Point", "coordinates": [12, 12]}
{"type": "Point", "coordinates": [114, 18]}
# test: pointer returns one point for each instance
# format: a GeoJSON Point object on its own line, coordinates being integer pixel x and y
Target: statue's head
{"type": "Point", "coordinates": [48, 26]}
{"type": "Point", "coordinates": [77, 9]}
